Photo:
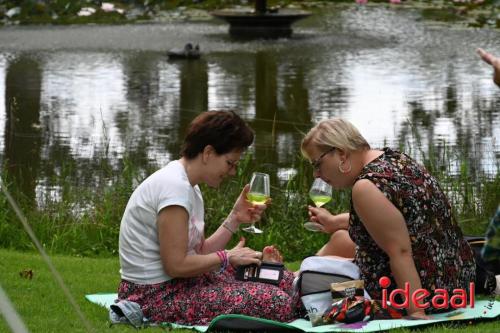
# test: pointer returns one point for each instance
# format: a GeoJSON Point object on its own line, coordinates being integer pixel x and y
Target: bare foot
{"type": "Point", "coordinates": [272, 254]}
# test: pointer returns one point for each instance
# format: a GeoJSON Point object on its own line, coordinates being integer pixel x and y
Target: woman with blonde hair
{"type": "Point", "coordinates": [400, 223]}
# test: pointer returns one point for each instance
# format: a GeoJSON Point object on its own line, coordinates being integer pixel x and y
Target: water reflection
{"type": "Point", "coordinates": [79, 113]}
{"type": "Point", "coordinates": [23, 140]}
{"type": "Point", "coordinates": [193, 95]}
{"type": "Point", "coordinates": [81, 96]}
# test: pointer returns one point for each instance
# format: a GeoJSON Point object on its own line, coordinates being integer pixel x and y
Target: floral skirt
{"type": "Point", "coordinates": [196, 301]}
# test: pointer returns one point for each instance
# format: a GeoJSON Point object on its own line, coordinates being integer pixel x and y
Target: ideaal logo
{"type": "Point", "coordinates": [440, 300]}
{"type": "Point", "coordinates": [491, 303]}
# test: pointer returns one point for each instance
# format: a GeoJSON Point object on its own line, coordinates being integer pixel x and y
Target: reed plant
{"type": "Point", "coordinates": [84, 221]}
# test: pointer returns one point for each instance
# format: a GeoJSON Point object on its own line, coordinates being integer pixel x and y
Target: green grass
{"type": "Point", "coordinates": [85, 220]}
{"type": "Point", "coordinates": [44, 308]}
{"type": "Point", "coordinates": [42, 304]}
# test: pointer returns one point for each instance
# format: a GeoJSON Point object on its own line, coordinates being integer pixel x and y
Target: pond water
{"type": "Point", "coordinates": [72, 97]}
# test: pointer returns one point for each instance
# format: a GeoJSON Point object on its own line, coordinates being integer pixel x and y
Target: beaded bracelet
{"type": "Point", "coordinates": [224, 260]}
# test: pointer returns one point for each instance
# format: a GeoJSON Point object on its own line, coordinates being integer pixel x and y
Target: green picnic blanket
{"type": "Point", "coordinates": [483, 309]}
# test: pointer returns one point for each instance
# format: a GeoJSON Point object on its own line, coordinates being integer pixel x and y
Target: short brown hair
{"type": "Point", "coordinates": [223, 130]}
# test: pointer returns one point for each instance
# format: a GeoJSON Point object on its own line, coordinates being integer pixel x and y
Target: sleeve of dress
{"type": "Point", "coordinates": [388, 186]}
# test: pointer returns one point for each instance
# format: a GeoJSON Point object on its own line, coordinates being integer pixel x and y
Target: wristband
{"type": "Point", "coordinates": [228, 229]}
{"type": "Point", "coordinates": [226, 259]}
{"type": "Point", "coordinates": [223, 259]}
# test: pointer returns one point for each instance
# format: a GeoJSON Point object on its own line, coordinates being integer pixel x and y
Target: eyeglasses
{"type": "Point", "coordinates": [316, 164]}
{"type": "Point", "coordinates": [232, 164]}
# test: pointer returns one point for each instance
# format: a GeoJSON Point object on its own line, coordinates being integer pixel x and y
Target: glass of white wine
{"type": "Point", "coordinates": [258, 195]}
{"type": "Point", "coordinates": [320, 194]}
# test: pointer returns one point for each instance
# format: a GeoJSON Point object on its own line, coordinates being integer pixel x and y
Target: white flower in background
{"type": "Point", "coordinates": [86, 11]}
{"type": "Point", "coordinates": [108, 7]}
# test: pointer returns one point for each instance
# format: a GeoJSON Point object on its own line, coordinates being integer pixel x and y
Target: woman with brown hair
{"type": "Point", "coordinates": [400, 224]}
{"type": "Point", "coordinates": [168, 266]}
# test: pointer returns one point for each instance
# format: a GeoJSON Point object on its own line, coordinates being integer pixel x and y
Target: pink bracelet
{"type": "Point", "coordinates": [223, 259]}
{"type": "Point", "coordinates": [226, 259]}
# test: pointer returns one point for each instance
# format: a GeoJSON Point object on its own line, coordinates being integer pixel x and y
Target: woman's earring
{"type": "Point", "coordinates": [342, 170]}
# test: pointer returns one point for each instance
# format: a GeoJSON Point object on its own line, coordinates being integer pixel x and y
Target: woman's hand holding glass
{"type": "Point", "coordinates": [320, 194]}
{"type": "Point", "coordinates": [330, 223]}
{"type": "Point", "coordinates": [244, 211]}
{"type": "Point", "coordinates": [257, 195]}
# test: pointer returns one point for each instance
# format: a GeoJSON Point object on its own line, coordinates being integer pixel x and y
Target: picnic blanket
{"type": "Point", "coordinates": [483, 309]}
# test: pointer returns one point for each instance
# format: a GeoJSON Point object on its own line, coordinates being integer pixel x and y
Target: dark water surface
{"type": "Point", "coordinates": [73, 97]}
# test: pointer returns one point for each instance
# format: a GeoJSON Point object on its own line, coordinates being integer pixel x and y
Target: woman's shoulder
{"type": "Point", "coordinates": [394, 154]}
{"type": "Point", "coordinates": [399, 156]}
{"type": "Point", "coordinates": [171, 175]}
{"type": "Point", "coordinates": [174, 165]}
{"type": "Point", "coordinates": [379, 166]}
{"type": "Point", "coordinates": [391, 159]}
{"type": "Point", "coordinates": [388, 166]}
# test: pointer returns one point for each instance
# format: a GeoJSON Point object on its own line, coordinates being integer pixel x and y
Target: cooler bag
{"type": "Point", "coordinates": [315, 277]}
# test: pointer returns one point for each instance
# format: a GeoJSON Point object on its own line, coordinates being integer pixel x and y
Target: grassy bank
{"type": "Point", "coordinates": [84, 220]}
{"type": "Point", "coordinates": [41, 303]}
{"type": "Point", "coordinates": [44, 309]}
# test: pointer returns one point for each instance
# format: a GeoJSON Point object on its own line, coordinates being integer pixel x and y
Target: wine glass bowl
{"type": "Point", "coordinates": [258, 195]}
{"type": "Point", "coordinates": [320, 193]}
{"type": "Point", "coordinates": [257, 198]}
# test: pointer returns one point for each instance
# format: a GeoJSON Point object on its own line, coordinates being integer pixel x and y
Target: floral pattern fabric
{"type": "Point", "coordinates": [196, 301]}
{"type": "Point", "coordinates": [442, 256]}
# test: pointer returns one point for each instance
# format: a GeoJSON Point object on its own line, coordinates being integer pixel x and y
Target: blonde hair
{"type": "Point", "coordinates": [335, 132]}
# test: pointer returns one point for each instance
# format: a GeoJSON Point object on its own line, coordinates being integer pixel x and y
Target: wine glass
{"type": "Point", "coordinates": [258, 195]}
{"type": "Point", "coordinates": [320, 194]}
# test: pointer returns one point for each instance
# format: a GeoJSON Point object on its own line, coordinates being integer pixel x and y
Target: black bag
{"type": "Point", "coordinates": [485, 275]}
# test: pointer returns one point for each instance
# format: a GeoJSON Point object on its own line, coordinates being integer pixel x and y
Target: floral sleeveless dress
{"type": "Point", "coordinates": [442, 257]}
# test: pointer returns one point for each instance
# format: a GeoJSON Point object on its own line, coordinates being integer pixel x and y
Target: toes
{"type": "Point", "coordinates": [268, 249]}
{"type": "Point", "coordinates": [270, 253]}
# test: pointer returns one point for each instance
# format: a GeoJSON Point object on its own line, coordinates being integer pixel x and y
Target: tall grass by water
{"type": "Point", "coordinates": [84, 221]}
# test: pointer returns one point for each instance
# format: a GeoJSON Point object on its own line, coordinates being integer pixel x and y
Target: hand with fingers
{"type": "Point", "coordinates": [244, 211]}
{"type": "Point", "coordinates": [241, 255]}
{"type": "Point", "coordinates": [323, 217]}
{"type": "Point", "coordinates": [493, 61]}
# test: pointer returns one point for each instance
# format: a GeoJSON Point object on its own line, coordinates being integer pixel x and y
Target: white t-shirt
{"type": "Point", "coordinates": [139, 246]}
